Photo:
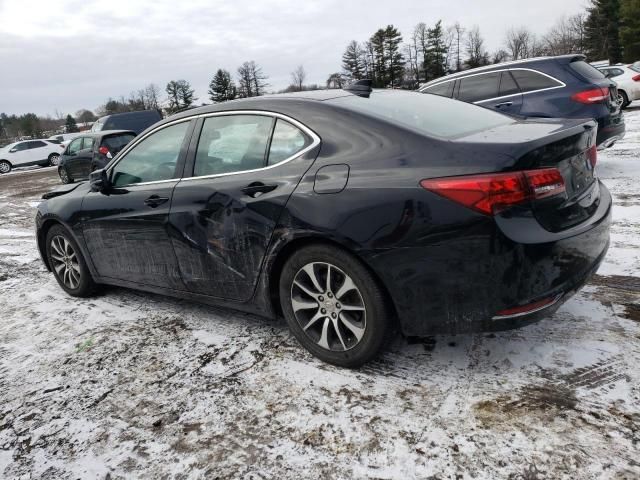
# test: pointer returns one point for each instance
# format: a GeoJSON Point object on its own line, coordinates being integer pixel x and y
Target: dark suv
{"type": "Point", "coordinates": [555, 87]}
{"type": "Point", "coordinates": [91, 151]}
{"type": "Point", "coordinates": [134, 121]}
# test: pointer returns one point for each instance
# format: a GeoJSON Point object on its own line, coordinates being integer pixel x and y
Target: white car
{"type": "Point", "coordinates": [65, 137]}
{"type": "Point", "coordinates": [29, 152]}
{"type": "Point", "coordinates": [628, 80]}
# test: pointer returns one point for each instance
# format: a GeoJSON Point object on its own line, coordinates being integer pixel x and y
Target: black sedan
{"type": "Point", "coordinates": [351, 213]}
{"type": "Point", "coordinates": [91, 151]}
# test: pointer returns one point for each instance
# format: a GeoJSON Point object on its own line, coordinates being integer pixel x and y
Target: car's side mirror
{"type": "Point", "coordinates": [99, 181]}
{"type": "Point", "coordinates": [13, 150]}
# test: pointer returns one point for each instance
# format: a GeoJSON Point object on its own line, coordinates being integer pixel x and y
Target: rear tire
{"type": "Point", "coordinates": [54, 159]}
{"type": "Point", "coordinates": [5, 167]}
{"type": "Point", "coordinates": [67, 263]}
{"type": "Point", "coordinates": [334, 305]}
{"type": "Point", "coordinates": [624, 98]}
{"type": "Point", "coordinates": [64, 175]}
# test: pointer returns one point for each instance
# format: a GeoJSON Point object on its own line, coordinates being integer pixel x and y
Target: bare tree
{"type": "Point", "coordinates": [566, 36]}
{"type": "Point", "coordinates": [477, 55]}
{"type": "Point", "coordinates": [152, 93]}
{"type": "Point", "coordinates": [251, 80]}
{"type": "Point", "coordinates": [298, 77]}
{"type": "Point", "coordinates": [458, 31]}
{"type": "Point", "coordinates": [336, 80]}
{"type": "Point", "coordinates": [520, 43]}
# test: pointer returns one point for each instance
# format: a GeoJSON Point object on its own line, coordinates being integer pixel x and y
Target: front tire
{"type": "Point", "coordinates": [54, 159]}
{"type": "Point", "coordinates": [64, 175]}
{"type": "Point", "coordinates": [334, 305]}
{"type": "Point", "coordinates": [5, 167]}
{"type": "Point", "coordinates": [67, 263]}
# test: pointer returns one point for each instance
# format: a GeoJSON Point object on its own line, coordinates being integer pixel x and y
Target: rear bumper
{"type": "Point", "coordinates": [460, 283]}
{"type": "Point", "coordinates": [610, 130]}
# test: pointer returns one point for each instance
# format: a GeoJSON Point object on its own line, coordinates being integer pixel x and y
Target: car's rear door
{"type": "Point", "coordinates": [125, 227]}
{"type": "Point", "coordinates": [240, 176]}
{"type": "Point", "coordinates": [72, 158]}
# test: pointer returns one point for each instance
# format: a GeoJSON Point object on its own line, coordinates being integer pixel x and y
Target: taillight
{"type": "Point", "coordinates": [527, 309]}
{"type": "Point", "coordinates": [592, 155]}
{"type": "Point", "coordinates": [491, 193]}
{"type": "Point", "coordinates": [596, 95]}
{"type": "Point", "coordinates": [103, 150]}
{"type": "Point", "coordinates": [636, 78]}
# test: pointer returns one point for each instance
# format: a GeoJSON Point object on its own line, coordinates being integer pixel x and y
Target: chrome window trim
{"type": "Point", "coordinates": [314, 137]}
{"type": "Point", "coordinates": [560, 82]}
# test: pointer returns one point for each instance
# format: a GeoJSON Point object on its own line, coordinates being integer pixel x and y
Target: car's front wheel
{"type": "Point", "coordinates": [67, 263]}
{"type": "Point", "coordinates": [64, 175]}
{"type": "Point", "coordinates": [5, 167]}
{"type": "Point", "coordinates": [333, 305]}
{"type": "Point", "coordinates": [54, 159]}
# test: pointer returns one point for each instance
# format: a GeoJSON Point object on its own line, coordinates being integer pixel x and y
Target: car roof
{"type": "Point", "coordinates": [499, 66]}
{"type": "Point", "coordinates": [102, 133]}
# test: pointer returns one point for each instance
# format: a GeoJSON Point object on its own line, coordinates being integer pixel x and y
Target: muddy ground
{"type": "Point", "coordinates": [134, 385]}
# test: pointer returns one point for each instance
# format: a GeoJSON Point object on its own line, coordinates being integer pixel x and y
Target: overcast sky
{"type": "Point", "coordinates": [70, 54]}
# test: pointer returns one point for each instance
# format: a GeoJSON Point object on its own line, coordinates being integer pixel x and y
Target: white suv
{"type": "Point", "coordinates": [628, 80]}
{"type": "Point", "coordinates": [29, 152]}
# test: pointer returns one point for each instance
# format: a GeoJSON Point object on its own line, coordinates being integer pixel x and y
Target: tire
{"type": "Point", "coordinates": [54, 159]}
{"type": "Point", "coordinates": [64, 175]}
{"type": "Point", "coordinates": [67, 263]}
{"type": "Point", "coordinates": [5, 166]}
{"type": "Point", "coordinates": [624, 98]}
{"type": "Point", "coordinates": [347, 337]}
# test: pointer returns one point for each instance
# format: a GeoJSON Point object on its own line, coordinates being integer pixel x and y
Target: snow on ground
{"type": "Point", "coordinates": [131, 384]}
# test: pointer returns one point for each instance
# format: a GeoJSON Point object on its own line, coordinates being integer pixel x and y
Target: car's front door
{"type": "Point", "coordinates": [222, 217]}
{"type": "Point", "coordinates": [84, 157]}
{"type": "Point", "coordinates": [72, 158]}
{"type": "Point", "coordinates": [125, 227]}
{"type": "Point", "coordinates": [19, 154]}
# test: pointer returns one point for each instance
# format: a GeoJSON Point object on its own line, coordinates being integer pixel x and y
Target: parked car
{"type": "Point", "coordinates": [627, 80]}
{"type": "Point", "coordinates": [29, 152]}
{"type": "Point", "coordinates": [64, 137]}
{"type": "Point", "coordinates": [90, 152]}
{"type": "Point", "coordinates": [134, 121]}
{"type": "Point", "coordinates": [550, 87]}
{"type": "Point", "coordinates": [349, 212]}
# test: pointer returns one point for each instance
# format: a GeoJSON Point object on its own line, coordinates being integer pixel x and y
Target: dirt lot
{"type": "Point", "coordinates": [135, 385]}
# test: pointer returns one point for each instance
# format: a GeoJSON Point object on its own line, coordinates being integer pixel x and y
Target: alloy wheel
{"type": "Point", "coordinates": [63, 175]}
{"type": "Point", "coordinates": [328, 306]}
{"type": "Point", "coordinates": [5, 167]}
{"type": "Point", "coordinates": [54, 159]}
{"type": "Point", "coordinates": [65, 262]}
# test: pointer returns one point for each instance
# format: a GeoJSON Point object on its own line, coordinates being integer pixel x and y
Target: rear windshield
{"type": "Point", "coordinates": [97, 126]}
{"type": "Point", "coordinates": [635, 67]}
{"type": "Point", "coordinates": [586, 71]}
{"type": "Point", "coordinates": [424, 113]}
{"type": "Point", "coordinates": [115, 143]}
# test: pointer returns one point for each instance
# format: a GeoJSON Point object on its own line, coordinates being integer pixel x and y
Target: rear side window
{"type": "Point", "coordinates": [115, 143]}
{"type": "Point", "coordinates": [508, 85]}
{"type": "Point", "coordinates": [529, 81]}
{"type": "Point", "coordinates": [75, 146]}
{"type": "Point", "coordinates": [232, 143]}
{"type": "Point", "coordinates": [613, 72]}
{"type": "Point", "coordinates": [37, 144]}
{"type": "Point", "coordinates": [87, 142]}
{"type": "Point", "coordinates": [444, 89]}
{"type": "Point", "coordinates": [287, 140]}
{"type": "Point", "coordinates": [479, 87]}
{"type": "Point", "coordinates": [425, 114]}
{"type": "Point", "coordinates": [586, 71]}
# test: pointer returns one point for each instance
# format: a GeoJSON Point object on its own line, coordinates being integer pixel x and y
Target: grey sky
{"type": "Point", "coordinates": [72, 54]}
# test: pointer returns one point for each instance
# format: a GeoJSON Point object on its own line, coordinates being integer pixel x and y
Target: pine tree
{"type": "Point", "coordinates": [222, 87]}
{"type": "Point", "coordinates": [173, 96]}
{"type": "Point", "coordinates": [353, 61]}
{"type": "Point", "coordinates": [393, 40]}
{"type": "Point", "coordinates": [436, 59]}
{"type": "Point", "coordinates": [180, 95]}
{"type": "Point", "coordinates": [70, 125]}
{"type": "Point", "coordinates": [630, 29]}
{"type": "Point", "coordinates": [387, 62]}
{"type": "Point", "coordinates": [602, 31]}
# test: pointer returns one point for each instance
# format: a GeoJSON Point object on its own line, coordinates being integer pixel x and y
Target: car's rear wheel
{"type": "Point", "coordinates": [54, 159]}
{"type": "Point", "coordinates": [623, 98]}
{"type": "Point", "coordinates": [333, 305]}
{"type": "Point", "coordinates": [67, 263]}
{"type": "Point", "coordinates": [5, 167]}
{"type": "Point", "coordinates": [64, 175]}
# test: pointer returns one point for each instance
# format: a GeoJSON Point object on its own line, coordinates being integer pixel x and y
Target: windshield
{"type": "Point", "coordinates": [97, 126]}
{"type": "Point", "coordinates": [425, 113]}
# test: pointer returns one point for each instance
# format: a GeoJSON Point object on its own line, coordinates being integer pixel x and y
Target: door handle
{"type": "Point", "coordinates": [155, 201]}
{"type": "Point", "coordinates": [257, 188]}
{"type": "Point", "coordinates": [504, 104]}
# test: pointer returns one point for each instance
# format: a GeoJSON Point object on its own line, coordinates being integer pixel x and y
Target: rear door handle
{"type": "Point", "coordinates": [257, 188]}
{"type": "Point", "coordinates": [155, 201]}
{"type": "Point", "coordinates": [504, 104]}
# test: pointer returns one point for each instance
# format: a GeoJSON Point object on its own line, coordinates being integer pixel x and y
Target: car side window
{"type": "Point", "coordinates": [232, 143]}
{"type": "Point", "coordinates": [530, 81]}
{"type": "Point", "coordinates": [20, 147]}
{"type": "Point", "coordinates": [508, 85]}
{"type": "Point", "coordinates": [479, 87]}
{"type": "Point", "coordinates": [287, 140]}
{"type": "Point", "coordinates": [36, 144]}
{"type": "Point", "coordinates": [153, 159]}
{"type": "Point", "coordinates": [87, 142]}
{"type": "Point", "coordinates": [75, 146]}
{"type": "Point", "coordinates": [444, 89]}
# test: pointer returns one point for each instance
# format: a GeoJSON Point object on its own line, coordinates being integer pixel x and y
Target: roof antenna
{"type": "Point", "coordinates": [362, 88]}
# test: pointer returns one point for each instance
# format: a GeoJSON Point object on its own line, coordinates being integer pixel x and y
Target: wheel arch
{"type": "Point", "coordinates": [292, 246]}
{"type": "Point", "coordinates": [47, 224]}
